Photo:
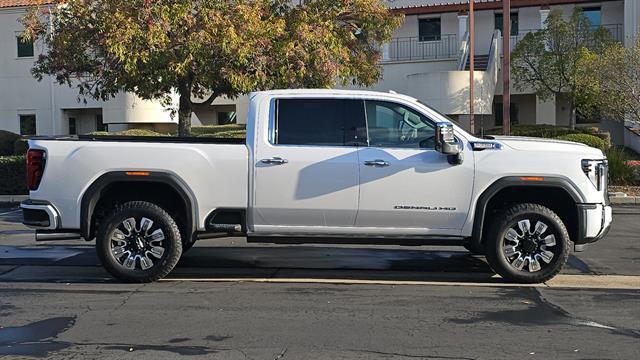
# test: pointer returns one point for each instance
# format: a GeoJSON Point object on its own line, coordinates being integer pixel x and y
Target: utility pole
{"type": "Point", "coordinates": [506, 63]}
{"type": "Point", "coordinates": [472, 45]}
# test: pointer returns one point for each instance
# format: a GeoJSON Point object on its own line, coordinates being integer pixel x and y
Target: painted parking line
{"type": "Point", "coordinates": [560, 281]}
{"type": "Point", "coordinates": [10, 212]}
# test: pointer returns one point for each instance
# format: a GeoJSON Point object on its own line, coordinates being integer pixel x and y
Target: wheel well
{"type": "Point", "coordinates": [555, 198]}
{"type": "Point", "coordinates": [162, 194]}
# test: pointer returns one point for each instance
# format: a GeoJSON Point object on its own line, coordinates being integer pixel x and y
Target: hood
{"type": "Point", "coordinates": [550, 145]}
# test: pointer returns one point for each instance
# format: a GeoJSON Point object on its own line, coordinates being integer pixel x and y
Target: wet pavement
{"type": "Point", "coordinates": [57, 302]}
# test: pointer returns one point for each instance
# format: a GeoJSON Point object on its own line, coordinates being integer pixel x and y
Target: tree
{"type": "Point", "coordinates": [616, 78]}
{"type": "Point", "coordinates": [203, 49]}
{"type": "Point", "coordinates": [551, 60]}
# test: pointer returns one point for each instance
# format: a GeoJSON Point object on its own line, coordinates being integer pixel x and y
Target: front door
{"type": "Point", "coordinates": [306, 175]}
{"type": "Point", "coordinates": [406, 186]}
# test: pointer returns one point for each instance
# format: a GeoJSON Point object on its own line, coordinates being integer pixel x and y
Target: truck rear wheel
{"type": "Point", "coordinates": [528, 243]}
{"type": "Point", "coordinates": [139, 242]}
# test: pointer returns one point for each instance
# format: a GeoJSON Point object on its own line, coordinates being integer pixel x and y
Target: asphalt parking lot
{"type": "Point", "coordinates": [232, 300]}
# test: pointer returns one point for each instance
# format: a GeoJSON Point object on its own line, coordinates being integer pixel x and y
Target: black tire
{"type": "Point", "coordinates": [115, 235]}
{"type": "Point", "coordinates": [472, 248]}
{"type": "Point", "coordinates": [530, 252]}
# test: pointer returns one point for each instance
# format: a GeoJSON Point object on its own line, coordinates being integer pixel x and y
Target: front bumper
{"type": "Point", "coordinates": [40, 215]}
{"type": "Point", "coordinates": [594, 222]}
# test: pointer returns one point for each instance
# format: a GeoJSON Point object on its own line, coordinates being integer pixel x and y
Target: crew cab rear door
{"type": "Point", "coordinates": [306, 172]}
{"type": "Point", "coordinates": [406, 186]}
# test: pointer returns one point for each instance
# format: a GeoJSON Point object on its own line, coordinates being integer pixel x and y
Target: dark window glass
{"type": "Point", "coordinates": [513, 114]}
{"type": "Point", "coordinates": [514, 23]}
{"type": "Point", "coordinates": [25, 48]}
{"type": "Point", "coordinates": [100, 126]}
{"type": "Point", "coordinates": [72, 126]}
{"type": "Point", "coordinates": [394, 125]}
{"type": "Point", "coordinates": [327, 122]}
{"type": "Point", "coordinates": [594, 15]}
{"type": "Point", "coordinates": [27, 124]}
{"type": "Point", "coordinates": [429, 29]}
{"type": "Point", "coordinates": [226, 117]}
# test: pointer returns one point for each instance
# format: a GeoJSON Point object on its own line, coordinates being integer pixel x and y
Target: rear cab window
{"type": "Point", "coordinates": [318, 122]}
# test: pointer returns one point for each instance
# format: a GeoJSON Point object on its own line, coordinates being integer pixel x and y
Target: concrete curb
{"type": "Point", "coordinates": [625, 200]}
{"type": "Point", "coordinates": [13, 198]}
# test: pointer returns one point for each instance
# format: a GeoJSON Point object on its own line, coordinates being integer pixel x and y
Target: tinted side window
{"type": "Point", "coordinates": [325, 122]}
{"type": "Point", "coordinates": [394, 125]}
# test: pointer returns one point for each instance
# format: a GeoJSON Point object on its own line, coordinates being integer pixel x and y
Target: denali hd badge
{"type": "Point", "coordinates": [430, 208]}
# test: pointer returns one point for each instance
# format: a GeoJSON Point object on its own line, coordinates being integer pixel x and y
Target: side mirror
{"type": "Point", "coordinates": [446, 143]}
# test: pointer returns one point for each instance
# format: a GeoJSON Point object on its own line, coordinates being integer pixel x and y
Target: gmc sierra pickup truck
{"type": "Point", "coordinates": [322, 166]}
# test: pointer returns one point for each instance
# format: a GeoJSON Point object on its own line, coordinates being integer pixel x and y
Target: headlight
{"type": "Point", "coordinates": [596, 171]}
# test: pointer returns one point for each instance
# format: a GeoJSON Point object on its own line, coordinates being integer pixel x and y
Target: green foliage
{"type": "Point", "coordinates": [615, 75]}
{"type": "Point", "coordinates": [130, 132]}
{"type": "Point", "coordinates": [590, 140]}
{"type": "Point", "coordinates": [7, 139]}
{"type": "Point", "coordinates": [233, 134]}
{"type": "Point", "coordinates": [543, 131]}
{"type": "Point", "coordinates": [20, 146]}
{"type": "Point", "coordinates": [13, 175]}
{"type": "Point", "coordinates": [207, 48]}
{"type": "Point", "coordinates": [620, 173]}
{"type": "Point", "coordinates": [216, 129]}
{"type": "Point", "coordinates": [553, 60]}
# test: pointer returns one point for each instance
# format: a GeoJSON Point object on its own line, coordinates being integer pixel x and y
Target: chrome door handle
{"type": "Point", "coordinates": [274, 161]}
{"type": "Point", "coordinates": [376, 163]}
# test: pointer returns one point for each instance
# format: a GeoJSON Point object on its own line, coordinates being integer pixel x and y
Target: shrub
{"type": "Point", "coordinates": [215, 129]}
{"type": "Point", "coordinates": [20, 146]}
{"type": "Point", "coordinates": [620, 173]}
{"type": "Point", "coordinates": [13, 175]}
{"type": "Point", "coordinates": [543, 131]}
{"type": "Point", "coordinates": [234, 134]}
{"type": "Point", "coordinates": [130, 132]}
{"type": "Point", "coordinates": [7, 139]}
{"type": "Point", "coordinates": [590, 140]}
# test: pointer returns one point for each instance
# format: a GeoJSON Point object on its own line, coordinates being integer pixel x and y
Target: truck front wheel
{"type": "Point", "coordinates": [528, 243]}
{"type": "Point", "coordinates": [138, 242]}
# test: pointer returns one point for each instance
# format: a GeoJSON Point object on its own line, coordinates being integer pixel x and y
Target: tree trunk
{"type": "Point", "coordinates": [572, 117]}
{"type": "Point", "coordinates": [185, 108]}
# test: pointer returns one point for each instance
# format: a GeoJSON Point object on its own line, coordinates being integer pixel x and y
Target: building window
{"type": "Point", "coordinates": [429, 29]}
{"type": "Point", "coordinates": [25, 47]}
{"type": "Point", "coordinates": [513, 114]}
{"type": "Point", "coordinates": [594, 15]}
{"type": "Point", "coordinates": [100, 126]}
{"type": "Point", "coordinates": [27, 124]}
{"type": "Point", "coordinates": [499, 20]}
{"type": "Point", "coordinates": [72, 126]}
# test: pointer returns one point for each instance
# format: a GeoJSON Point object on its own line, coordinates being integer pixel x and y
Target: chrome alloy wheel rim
{"type": "Point", "coordinates": [137, 247]}
{"type": "Point", "coordinates": [528, 249]}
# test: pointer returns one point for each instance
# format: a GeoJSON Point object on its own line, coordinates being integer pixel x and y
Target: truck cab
{"type": "Point", "coordinates": [334, 166]}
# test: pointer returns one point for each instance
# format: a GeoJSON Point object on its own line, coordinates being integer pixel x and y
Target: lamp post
{"type": "Point", "coordinates": [471, 67]}
{"type": "Point", "coordinates": [506, 63]}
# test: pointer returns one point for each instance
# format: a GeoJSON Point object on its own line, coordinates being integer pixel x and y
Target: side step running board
{"type": "Point", "coordinates": [56, 236]}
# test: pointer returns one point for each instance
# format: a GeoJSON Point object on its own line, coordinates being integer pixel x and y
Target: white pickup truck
{"type": "Point", "coordinates": [322, 166]}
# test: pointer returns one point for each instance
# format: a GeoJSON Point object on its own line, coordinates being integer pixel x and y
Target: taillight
{"type": "Point", "coordinates": [35, 168]}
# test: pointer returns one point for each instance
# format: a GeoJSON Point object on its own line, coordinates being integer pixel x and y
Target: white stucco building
{"type": "Point", "coordinates": [426, 59]}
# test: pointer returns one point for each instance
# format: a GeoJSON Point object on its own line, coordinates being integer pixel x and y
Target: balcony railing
{"type": "Point", "coordinates": [414, 48]}
{"type": "Point", "coordinates": [616, 31]}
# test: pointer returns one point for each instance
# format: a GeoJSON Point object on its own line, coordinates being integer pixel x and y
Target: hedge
{"type": "Point", "coordinates": [7, 140]}
{"type": "Point", "coordinates": [590, 140]}
{"type": "Point", "coordinates": [130, 132]}
{"type": "Point", "coordinates": [543, 131]}
{"type": "Point", "coordinates": [217, 129]}
{"type": "Point", "coordinates": [13, 178]}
